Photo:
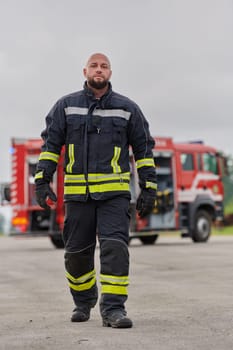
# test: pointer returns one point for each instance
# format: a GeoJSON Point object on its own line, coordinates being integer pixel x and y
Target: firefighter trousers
{"type": "Point", "coordinates": [84, 222]}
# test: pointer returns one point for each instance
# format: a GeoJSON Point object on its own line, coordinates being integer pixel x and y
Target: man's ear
{"type": "Point", "coordinates": [84, 72]}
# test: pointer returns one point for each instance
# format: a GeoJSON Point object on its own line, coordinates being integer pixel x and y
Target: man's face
{"type": "Point", "coordinates": [97, 71]}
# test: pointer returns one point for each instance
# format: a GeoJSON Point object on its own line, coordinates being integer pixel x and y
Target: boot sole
{"type": "Point", "coordinates": [121, 324]}
{"type": "Point", "coordinates": [79, 319]}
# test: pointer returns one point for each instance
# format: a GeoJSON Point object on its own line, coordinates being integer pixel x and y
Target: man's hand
{"type": "Point", "coordinates": [43, 192]}
{"type": "Point", "coordinates": [146, 202]}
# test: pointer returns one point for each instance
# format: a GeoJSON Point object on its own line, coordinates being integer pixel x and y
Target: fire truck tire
{"type": "Point", "coordinates": [57, 241]}
{"type": "Point", "coordinates": [148, 239]}
{"type": "Point", "coordinates": [202, 228]}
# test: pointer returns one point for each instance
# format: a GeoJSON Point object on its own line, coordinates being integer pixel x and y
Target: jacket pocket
{"type": "Point", "coordinates": [75, 130]}
{"type": "Point", "coordinates": [119, 130]}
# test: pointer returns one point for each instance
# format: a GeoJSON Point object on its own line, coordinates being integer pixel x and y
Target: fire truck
{"type": "Point", "coordinates": [189, 198]}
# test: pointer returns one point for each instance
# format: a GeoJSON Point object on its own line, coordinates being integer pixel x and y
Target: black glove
{"type": "Point", "coordinates": [44, 191]}
{"type": "Point", "coordinates": [146, 202]}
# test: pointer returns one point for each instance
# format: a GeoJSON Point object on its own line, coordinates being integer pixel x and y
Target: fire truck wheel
{"type": "Point", "coordinates": [148, 239]}
{"type": "Point", "coordinates": [202, 229]}
{"type": "Point", "coordinates": [57, 241]}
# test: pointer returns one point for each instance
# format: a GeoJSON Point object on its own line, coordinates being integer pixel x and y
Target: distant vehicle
{"type": "Point", "coordinates": [5, 208]}
{"type": "Point", "coordinates": [4, 193]}
{"type": "Point", "coordinates": [190, 192]}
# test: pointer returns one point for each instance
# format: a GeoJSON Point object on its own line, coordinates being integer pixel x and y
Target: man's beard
{"type": "Point", "coordinates": [97, 84]}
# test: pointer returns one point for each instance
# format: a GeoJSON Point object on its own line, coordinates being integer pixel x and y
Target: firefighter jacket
{"type": "Point", "coordinates": [97, 134]}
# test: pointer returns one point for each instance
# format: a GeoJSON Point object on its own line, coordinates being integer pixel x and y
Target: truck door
{"type": "Point", "coordinates": [187, 171]}
{"type": "Point", "coordinates": [163, 216]}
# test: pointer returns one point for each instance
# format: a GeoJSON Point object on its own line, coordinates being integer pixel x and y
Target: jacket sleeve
{"type": "Point", "coordinates": [142, 144]}
{"type": "Point", "coordinates": [54, 138]}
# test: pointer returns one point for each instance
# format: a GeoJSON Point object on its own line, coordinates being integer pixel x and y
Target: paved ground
{"type": "Point", "coordinates": [181, 297]}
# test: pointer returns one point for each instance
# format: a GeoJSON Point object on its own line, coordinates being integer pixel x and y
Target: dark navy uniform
{"type": "Point", "coordinates": [97, 134]}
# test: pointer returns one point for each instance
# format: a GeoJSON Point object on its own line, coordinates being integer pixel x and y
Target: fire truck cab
{"type": "Point", "coordinates": [190, 191]}
{"type": "Point", "coordinates": [189, 198]}
{"type": "Point", "coordinates": [27, 217]}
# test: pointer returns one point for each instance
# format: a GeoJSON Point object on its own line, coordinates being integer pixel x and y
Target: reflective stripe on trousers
{"type": "Point", "coordinates": [110, 220]}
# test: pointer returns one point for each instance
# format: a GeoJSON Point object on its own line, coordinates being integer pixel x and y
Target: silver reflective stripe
{"type": "Point", "coordinates": [112, 113]}
{"type": "Point", "coordinates": [121, 280]}
{"type": "Point", "coordinates": [100, 112]}
{"type": "Point", "coordinates": [76, 110]}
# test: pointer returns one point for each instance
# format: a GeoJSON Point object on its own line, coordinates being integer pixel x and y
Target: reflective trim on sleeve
{"type": "Point", "coordinates": [152, 185]}
{"type": "Point", "coordinates": [76, 110]}
{"type": "Point", "coordinates": [39, 175]}
{"type": "Point", "coordinates": [49, 156]}
{"type": "Point", "coordinates": [145, 162]}
{"type": "Point", "coordinates": [114, 162]}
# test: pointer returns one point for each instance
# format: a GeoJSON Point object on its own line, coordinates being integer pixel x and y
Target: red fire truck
{"type": "Point", "coordinates": [190, 192]}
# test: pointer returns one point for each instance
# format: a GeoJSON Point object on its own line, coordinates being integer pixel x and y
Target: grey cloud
{"type": "Point", "coordinates": [174, 58]}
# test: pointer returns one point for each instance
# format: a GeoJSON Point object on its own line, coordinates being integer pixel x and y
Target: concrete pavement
{"type": "Point", "coordinates": [180, 297]}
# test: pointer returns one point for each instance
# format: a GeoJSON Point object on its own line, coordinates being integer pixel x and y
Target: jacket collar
{"type": "Point", "coordinates": [90, 93]}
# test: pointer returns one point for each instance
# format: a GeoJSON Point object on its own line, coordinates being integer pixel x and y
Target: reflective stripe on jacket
{"type": "Point", "coordinates": [97, 134]}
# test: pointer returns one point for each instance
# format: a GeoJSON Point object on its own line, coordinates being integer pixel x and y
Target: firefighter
{"type": "Point", "coordinates": [97, 125]}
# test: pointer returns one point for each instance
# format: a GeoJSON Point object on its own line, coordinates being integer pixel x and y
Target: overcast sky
{"type": "Point", "coordinates": [173, 57]}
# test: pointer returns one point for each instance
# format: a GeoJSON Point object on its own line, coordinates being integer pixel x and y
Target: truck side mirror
{"type": "Point", "coordinates": [7, 193]}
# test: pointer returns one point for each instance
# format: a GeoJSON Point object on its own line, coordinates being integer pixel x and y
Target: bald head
{"type": "Point", "coordinates": [98, 57]}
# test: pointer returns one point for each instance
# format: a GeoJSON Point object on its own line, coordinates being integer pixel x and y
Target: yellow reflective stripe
{"type": "Point", "coordinates": [167, 191]}
{"type": "Point", "coordinates": [105, 288]}
{"type": "Point", "coordinates": [83, 286]}
{"type": "Point", "coordinates": [109, 177]}
{"type": "Point", "coordinates": [71, 158]}
{"type": "Point", "coordinates": [119, 186]}
{"type": "Point", "coordinates": [49, 156]}
{"type": "Point", "coordinates": [75, 189]}
{"type": "Point", "coordinates": [114, 162]}
{"type": "Point", "coordinates": [82, 278]}
{"type": "Point", "coordinates": [122, 280]}
{"type": "Point", "coordinates": [151, 185]}
{"type": "Point", "coordinates": [164, 193]}
{"type": "Point", "coordinates": [39, 175]}
{"type": "Point", "coordinates": [145, 162]}
{"type": "Point", "coordinates": [74, 178]}
{"type": "Point", "coordinates": [96, 177]}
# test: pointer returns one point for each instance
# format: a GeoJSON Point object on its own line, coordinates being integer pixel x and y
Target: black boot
{"type": "Point", "coordinates": [81, 314]}
{"type": "Point", "coordinates": [117, 319]}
